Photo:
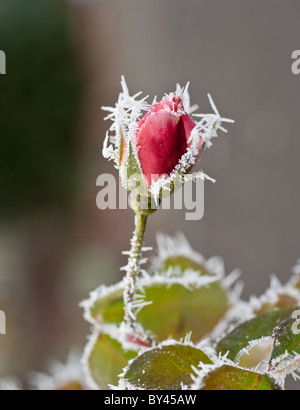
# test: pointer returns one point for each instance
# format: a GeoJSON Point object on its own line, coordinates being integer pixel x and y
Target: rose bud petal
{"type": "Point", "coordinates": [163, 137]}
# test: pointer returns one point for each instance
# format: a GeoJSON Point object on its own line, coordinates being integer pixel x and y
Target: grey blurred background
{"type": "Point", "coordinates": [64, 61]}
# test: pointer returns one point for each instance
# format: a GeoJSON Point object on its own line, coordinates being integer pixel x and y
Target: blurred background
{"type": "Point", "coordinates": [64, 61]}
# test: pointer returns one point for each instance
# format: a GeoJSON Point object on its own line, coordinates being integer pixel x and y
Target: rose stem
{"type": "Point", "coordinates": [133, 267]}
{"type": "Point", "coordinates": [143, 207]}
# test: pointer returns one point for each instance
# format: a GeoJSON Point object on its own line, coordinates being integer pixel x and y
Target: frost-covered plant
{"type": "Point", "coordinates": [180, 324]}
{"type": "Point", "coordinates": [203, 336]}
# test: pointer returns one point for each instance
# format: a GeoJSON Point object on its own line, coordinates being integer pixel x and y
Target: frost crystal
{"type": "Point", "coordinates": [210, 124]}
{"type": "Point", "coordinates": [125, 116]}
{"type": "Point", "coordinates": [296, 268]}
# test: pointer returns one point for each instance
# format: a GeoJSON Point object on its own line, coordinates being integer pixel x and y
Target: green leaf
{"type": "Point", "coordinates": [107, 360]}
{"type": "Point", "coordinates": [235, 379]}
{"type": "Point", "coordinates": [175, 310]}
{"type": "Point", "coordinates": [109, 309]}
{"type": "Point", "coordinates": [165, 368]}
{"type": "Point", "coordinates": [258, 355]}
{"type": "Point", "coordinates": [287, 339]}
{"type": "Point", "coordinates": [284, 301]}
{"type": "Point", "coordinates": [121, 147]}
{"type": "Point", "coordinates": [183, 263]}
{"type": "Point", "coordinates": [262, 326]}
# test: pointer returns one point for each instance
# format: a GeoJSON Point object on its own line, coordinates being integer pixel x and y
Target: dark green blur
{"type": "Point", "coordinates": [39, 105]}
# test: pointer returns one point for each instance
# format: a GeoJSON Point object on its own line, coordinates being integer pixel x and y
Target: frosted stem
{"type": "Point", "coordinates": [133, 268]}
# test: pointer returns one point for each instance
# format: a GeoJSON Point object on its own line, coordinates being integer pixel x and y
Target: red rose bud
{"type": "Point", "coordinates": [162, 140]}
{"type": "Point", "coordinates": [163, 137]}
{"type": "Point", "coordinates": [155, 152]}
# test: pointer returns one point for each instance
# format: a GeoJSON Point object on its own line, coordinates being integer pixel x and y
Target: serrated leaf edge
{"type": "Point", "coordinates": [285, 365]}
{"type": "Point", "coordinates": [273, 293]}
{"type": "Point", "coordinates": [206, 349]}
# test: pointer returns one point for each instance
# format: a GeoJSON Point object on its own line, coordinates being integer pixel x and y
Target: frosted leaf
{"type": "Point", "coordinates": [125, 384]}
{"type": "Point", "coordinates": [170, 247]}
{"type": "Point", "coordinates": [203, 370]}
{"type": "Point", "coordinates": [178, 245]}
{"type": "Point", "coordinates": [295, 280]}
{"type": "Point", "coordinates": [61, 375]}
{"type": "Point", "coordinates": [285, 365]}
{"type": "Point", "coordinates": [225, 374]}
{"type": "Point", "coordinates": [100, 293]}
{"type": "Point", "coordinates": [190, 280]}
{"type": "Point", "coordinates": [108, 347]}
{"type": "Point", "coordinates": [296, 268]}
{"type": "Point", "coordinates": [9, 384]}
{"type": "Point", "coordinates": [85, 360]}
{"type": "Point", "coordinates": [277, 293]}
{"type": "Point", "coordinates": [257, 355]}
